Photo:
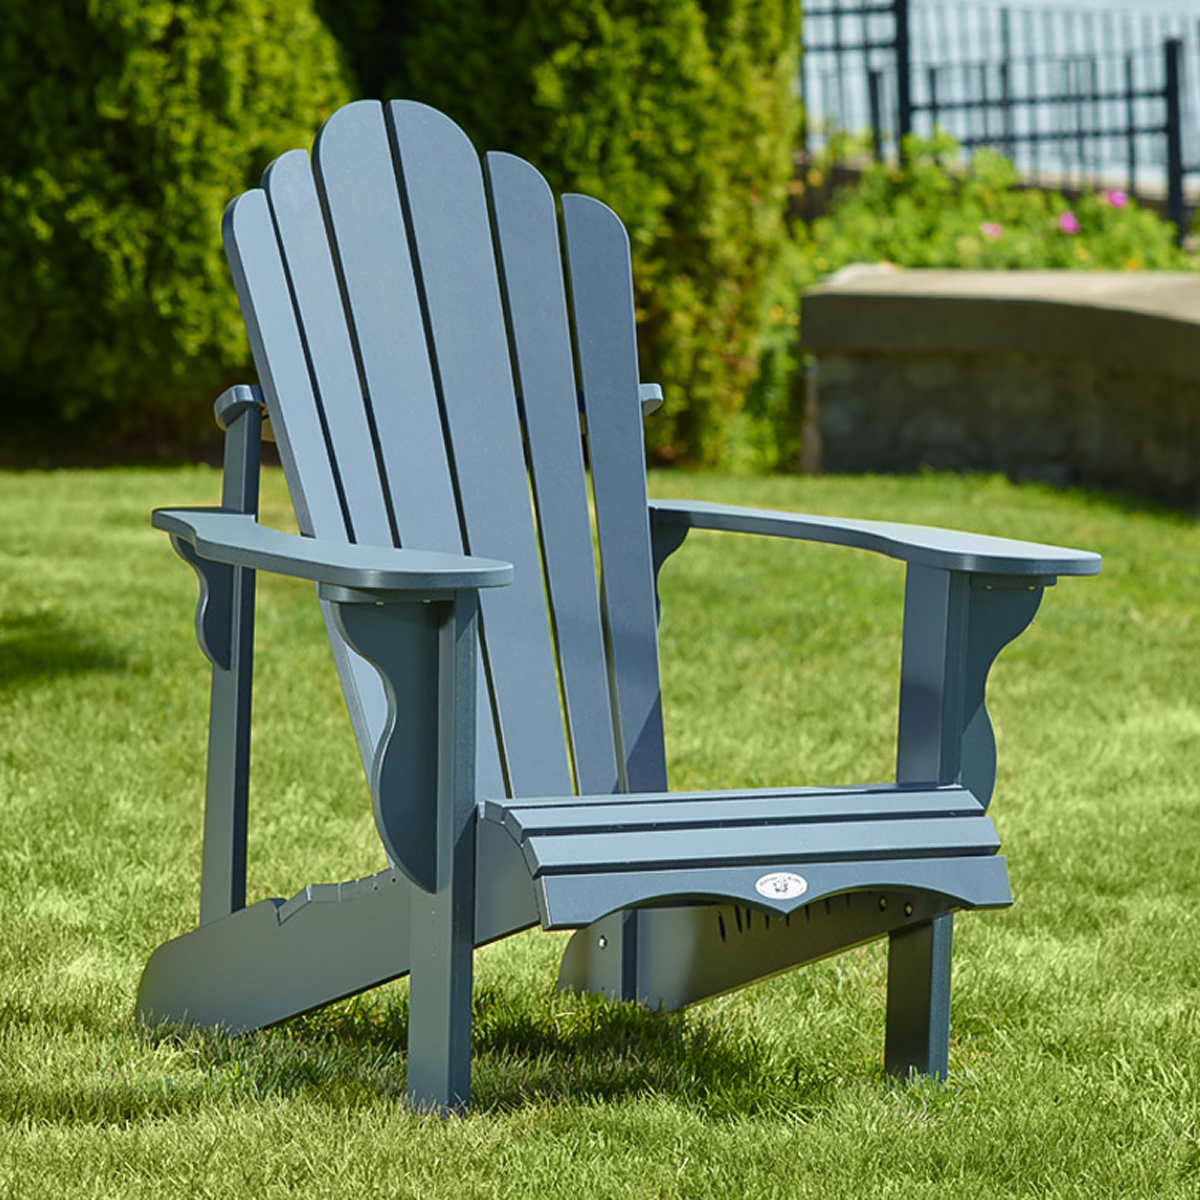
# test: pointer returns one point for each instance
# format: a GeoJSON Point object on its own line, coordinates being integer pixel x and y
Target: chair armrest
{"type": "Point", "coordinates": [921, 545]}
{"type": "Point", "coordinates": [237, 539]}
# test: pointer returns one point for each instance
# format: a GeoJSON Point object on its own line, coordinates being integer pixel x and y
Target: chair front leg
{"type": "Point", "coordinates": [426, 654]}
{"type": "Point", "coordinates": [955, 625]}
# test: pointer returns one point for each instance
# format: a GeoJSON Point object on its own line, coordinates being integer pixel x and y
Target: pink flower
{"type": "Point", "coordinates": [991, 229]}
{"type": "Point", "coordinates": [1115, 197]}
{"type": "Point", "coordinates": [1067, 221]}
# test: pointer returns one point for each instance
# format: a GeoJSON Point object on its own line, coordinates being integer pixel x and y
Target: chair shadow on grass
{"type": "Point", "coordinates": [565, 1048]}
{"type": "Point", "coordinates": [35, 646]}
{"type": "Point", "coordinates": [575, 1048]}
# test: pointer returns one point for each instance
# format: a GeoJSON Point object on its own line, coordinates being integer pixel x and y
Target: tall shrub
{"type": "Point", "coordinates": [677, 113]}
{"type": "Point", "coordinates": [131, 124]}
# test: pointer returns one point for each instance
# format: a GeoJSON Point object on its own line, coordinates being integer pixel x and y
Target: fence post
{"type": "Point", "coordinates": [904, 111]}
{"type": "Point", "coordinates": [1130, 126]}
{"type": "Point", "coordinates": [985, 104]}
{"type": "Point", "coordinates": [803, 101]}
{"type": "Point", "coordinates": [1174, 131]}
{"type": "Point", "coordinates": [1010, 147]}
{"type": "Point", "coordinates": [874, 80]}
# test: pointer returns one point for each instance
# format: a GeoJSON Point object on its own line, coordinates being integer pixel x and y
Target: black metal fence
{"type": "Point", "coordinates": [1075, 97]}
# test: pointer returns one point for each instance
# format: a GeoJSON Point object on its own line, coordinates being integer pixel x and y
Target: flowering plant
{"type": "Point", "coordinates": [926, 213]}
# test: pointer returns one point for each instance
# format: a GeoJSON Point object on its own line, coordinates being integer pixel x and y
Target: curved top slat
{"type": "Point", "coordinates": [445, 203]}
{"type": "Point", "coordinates": [532, 274]}
{"type": "Point", "coordinates": [605, 334]}
{"type": "Point", "coordinates": [358, 180]}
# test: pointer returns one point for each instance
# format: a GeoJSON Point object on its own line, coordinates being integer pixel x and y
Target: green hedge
{"type": "Point", "coordinates": [131, 124]}
{"type": "Point", "coordinates": [678, 113]}
{"type": "Point", "coordinates": [141, 118]}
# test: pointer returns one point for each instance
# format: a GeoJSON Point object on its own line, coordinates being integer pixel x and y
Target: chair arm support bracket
{"type": "Point", "coordinates": [422, 774]}
{"type": "Point", "coordinates": [664, 541]}
{"type": "Point", "coordinates": [651, 397]}
{"type": "Point", "coordinates": [954, 629]}
{"type": "Point", "coordinates": [214, 608]}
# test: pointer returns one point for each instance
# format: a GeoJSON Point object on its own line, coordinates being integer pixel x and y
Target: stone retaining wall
{"type": "Point", "coordinates": [1069, 377]}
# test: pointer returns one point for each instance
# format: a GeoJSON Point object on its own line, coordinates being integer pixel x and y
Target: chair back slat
{"type": "Point", "coordinates": [300, 226]}
{"type": "Point", "coordinates": [530, 257]}
{"type": "Point", "coordinates": [278, 347]}
{"type": "Point", "coordinates": [389, 306]}
{"type": "Point", "coordinates": [357, 179]}
{"type": "Point", "coordinates": [370, 241]}
{"type": "Point", "coordinates": [599, 269]}
{"type": "Point", "coordinates": [303, 242]}
{"type": "Point", "coordinates": [277, 343]}
{"type": "Point", "coordinates": [444, 197]}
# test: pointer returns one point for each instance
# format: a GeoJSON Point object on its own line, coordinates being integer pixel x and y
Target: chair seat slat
{"type": "Point", "coordinates": [640, 798]}
{"type": "Point", "coordinates": [694, 812]}
{"type": "Point", "coordinates": [646, 849]}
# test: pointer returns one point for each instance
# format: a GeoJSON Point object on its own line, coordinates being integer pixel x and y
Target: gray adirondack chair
{"type": "Point", "coordinates": [421, 355]}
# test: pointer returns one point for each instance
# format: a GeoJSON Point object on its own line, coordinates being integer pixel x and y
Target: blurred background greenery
{"type": "Point", "coordinates": [139, 119]}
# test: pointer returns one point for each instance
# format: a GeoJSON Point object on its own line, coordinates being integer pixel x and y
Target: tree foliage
{"type": "Point", "coordinates": [138, 120]}
{"type": "Point", "coordinates": [679, 114]}
{"type": "Point", "coordinates": [141, 118]}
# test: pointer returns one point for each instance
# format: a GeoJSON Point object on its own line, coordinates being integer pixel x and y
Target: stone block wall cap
{"type": "Point", "coordinates": [866, 271]}
{"type": "Point", "coordinates": [1122, 319]}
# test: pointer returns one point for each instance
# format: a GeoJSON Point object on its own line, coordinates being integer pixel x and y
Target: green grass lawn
{"type": "Point", "coordinates": [1075, 1052]}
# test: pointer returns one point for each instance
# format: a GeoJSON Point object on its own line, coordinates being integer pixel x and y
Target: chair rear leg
{"type": "Point", "coordinates": [918, 999]}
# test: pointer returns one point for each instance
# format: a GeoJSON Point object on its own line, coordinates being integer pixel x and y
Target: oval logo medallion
{"type": "Point", "coordinates": [781, 885]}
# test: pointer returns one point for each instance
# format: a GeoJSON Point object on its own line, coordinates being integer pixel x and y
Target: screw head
{"type": "Point", "coordinates": [602, 941]}
{"type": "Point", "coordinates": [908, 910]}
{"type": "Point", "coordinates": [882, 903]}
